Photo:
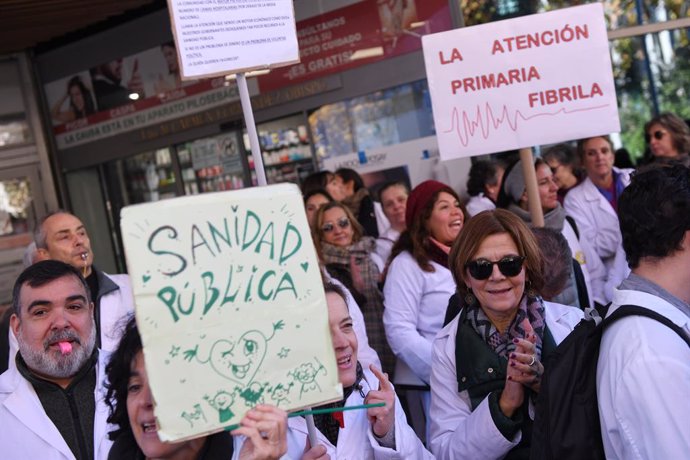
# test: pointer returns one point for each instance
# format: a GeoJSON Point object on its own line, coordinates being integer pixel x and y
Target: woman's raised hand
{"type": "Point", "coordinates": [524, 360]}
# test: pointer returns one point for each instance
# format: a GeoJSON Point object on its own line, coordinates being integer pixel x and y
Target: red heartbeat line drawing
{"type": "Point", "coordinates": [470, 126]}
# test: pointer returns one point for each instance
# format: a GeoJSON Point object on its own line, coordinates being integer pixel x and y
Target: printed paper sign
{"type": "Point", "coordinates": [230, 307]}
{"type": "Point", "coordinates": [512, 84]}
{"type": "Point", "coordinates": [230, 36]}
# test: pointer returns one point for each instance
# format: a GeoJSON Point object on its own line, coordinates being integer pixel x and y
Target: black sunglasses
{"type": "Point", "coordinates": [658, 135]}
{"type": "Point", "coordinates": [481, 269]}
{"type": "Point", "coordinates": [343, 222]}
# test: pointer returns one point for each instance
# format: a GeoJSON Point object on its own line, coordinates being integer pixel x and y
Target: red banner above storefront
{"type": "Point", "coordinates": [368, 31]}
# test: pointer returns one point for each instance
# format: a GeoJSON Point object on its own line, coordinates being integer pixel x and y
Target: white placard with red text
{"type": "Point", "coordinates": [218, 38]}
{"type": "Point", "coordinates": [512, 84]}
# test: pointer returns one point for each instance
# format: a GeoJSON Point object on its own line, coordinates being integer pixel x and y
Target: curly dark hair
{"type": "Point", "coordinates": [654, 212]}
{"type": "Point", "coordinates": [118, 371]}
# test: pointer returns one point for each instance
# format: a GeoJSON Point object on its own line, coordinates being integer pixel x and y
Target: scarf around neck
{"type": "Point", "coordinates": [530, 308]}
{"type": "Point", "coordinates": [553, 219]}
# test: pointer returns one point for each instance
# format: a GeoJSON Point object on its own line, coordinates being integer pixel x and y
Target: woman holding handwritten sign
{"type": "Point", "coordinates": [380, 433]}
{"type": "Point", "coordinates": [261, 435]}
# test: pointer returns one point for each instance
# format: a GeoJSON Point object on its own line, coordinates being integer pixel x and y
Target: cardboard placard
{"type": "Point", "coordinates": [230, 307]}
{"type": "Point", "coordinates": [522, 82]}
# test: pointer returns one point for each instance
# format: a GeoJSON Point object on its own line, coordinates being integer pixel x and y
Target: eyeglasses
{"type": "Point", "coordinates": [343, 222]}
{"type": "Point", "coordinates": [481, 269]}
{"type": "Point", "coordinates": [658, 135]}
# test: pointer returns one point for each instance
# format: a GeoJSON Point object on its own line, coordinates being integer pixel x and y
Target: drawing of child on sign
{"type": "Point", "coordinates": [306, 375]}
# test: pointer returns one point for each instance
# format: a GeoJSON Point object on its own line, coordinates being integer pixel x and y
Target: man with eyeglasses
{"type": "Point", "coordinates": [643, 371]}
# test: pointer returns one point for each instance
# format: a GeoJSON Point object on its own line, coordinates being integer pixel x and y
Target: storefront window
{"type": "Point", "coordinates": [14, 127]}
{"type": "Point", "coordinates": [15, 202]}
{"type": "Point", "coordinates": [148, 176]}
{"type": "Point", "coordinates": [376, 120]}
{"type": "Point", "coordinates": [211, 164]}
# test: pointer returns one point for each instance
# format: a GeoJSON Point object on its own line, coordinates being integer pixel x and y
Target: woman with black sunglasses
{"type": "Point", "coordinates": [667, 136]}
{"type": "Point", "coordinates": [350, 257]}
{"type": "Point", "coordinates": [486, 365]}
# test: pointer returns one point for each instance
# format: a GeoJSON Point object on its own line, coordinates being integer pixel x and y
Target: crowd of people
{"type": "Point", "coordinates": [446, 313]}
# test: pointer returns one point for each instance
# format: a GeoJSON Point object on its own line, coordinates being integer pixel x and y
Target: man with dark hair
{"type": "Point", "coordinates": [643, 372]}
{"type": "Point", "coordinates": [49, 403]}
{"type": "Point", "coordinates": [359, 201]}
{"type": "Point", "coordinates": [62, 236]}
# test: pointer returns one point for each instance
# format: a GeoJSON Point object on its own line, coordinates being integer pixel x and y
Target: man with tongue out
{"type": "Point", "coordinates": [50, 402]}
{"type": "Point", "coordinates": [62, 236]}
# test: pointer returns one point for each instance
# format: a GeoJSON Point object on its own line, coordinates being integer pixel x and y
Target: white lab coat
{"type": "Point", "coordinates": [643, 383]}
{"type": "Point", "coordinates": [115, 305]}
{"type": "Point", "coordinates": [593, 269]}
{"type": "Point", "coordinates": [357, 442]}
{"type": "Point", "coordinates": [479, 203]}
{"type": "Point", "coordinates": [384, 245]}
{"type": "Point", "coordinates": [28, 433]}
{"type": "Point", "coordinates": [596, 219]}
{"type": "Point", "coordinates": [458, 432]}
{"type": "Point", "coordinates": [415, 305]}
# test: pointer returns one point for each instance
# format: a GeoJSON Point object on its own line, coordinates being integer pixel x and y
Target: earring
{"type": "Point", "coordinates": [470, 299]}
{"type": "Point", "coordinates": [531, 292]}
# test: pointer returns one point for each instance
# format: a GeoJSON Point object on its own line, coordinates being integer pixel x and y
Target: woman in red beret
{"type": "Point", "coordinates": [418, 284]}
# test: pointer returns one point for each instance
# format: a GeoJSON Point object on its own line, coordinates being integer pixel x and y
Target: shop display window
{"type": "Point", "coordinates": [15, 204]}
{"type": "Point", "coordinates": [14, 126]}
{"type": "Point", "coordinates": [211, 164]}
{"type": "Point", "coordinates": [149, 176]}
{"type": "Point", "coordinates": [286, 150]}
{"type": "Point", "coordinates": [375, 120]}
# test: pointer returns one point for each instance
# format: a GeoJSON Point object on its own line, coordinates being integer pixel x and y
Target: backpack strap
{"type": "Point", "coordinates": [635, 310]}
{"type": "Point", "coordinates": [573, 225]}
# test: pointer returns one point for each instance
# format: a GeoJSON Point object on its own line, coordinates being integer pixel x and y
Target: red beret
{"type": "Point", "coordinates": [419, 198]}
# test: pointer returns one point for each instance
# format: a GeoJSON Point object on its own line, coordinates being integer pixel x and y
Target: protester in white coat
{"type": "Point", "coordinates": [417, 288]}
{"type": "Point", "coordinates": [487, 362]}
{"type": "Point", "coordinates": [51, 404]}
{"type": "Point", "coordinates": [376, 433]}
{"type": "Point", "coordinates": [643, 371]}
{"type": "Point", "coordinates": [27, 432]}
{"type": "Point", "coordinates": [514, 197]}
{"type": "Point", "coordinates": [62, 236]}
{"type": "Point", "coordinates": [593, 203]}
{"type": "Point", "coordinates": [262, 434]}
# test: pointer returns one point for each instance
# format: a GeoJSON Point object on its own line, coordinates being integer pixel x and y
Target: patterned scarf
{"type": "Point", "coordinates": [531, 308]}
{"type": "Point", "coordinates": [329, 424]}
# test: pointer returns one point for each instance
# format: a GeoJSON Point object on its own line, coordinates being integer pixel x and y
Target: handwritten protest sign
{"type": "Point", "coordinates": [231, 36]}
{"type": "Point", "coordinates": [230, 307]}
{"type": "Point", "coordinates": [512, 84]}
